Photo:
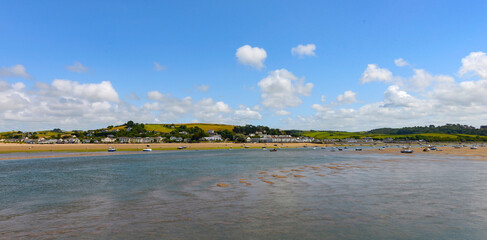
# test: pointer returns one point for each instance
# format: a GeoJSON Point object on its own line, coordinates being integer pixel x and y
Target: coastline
{"type": "Point", "coordinates": [78, 150]}
{"type": "Point", "coordinates": [8, 151]}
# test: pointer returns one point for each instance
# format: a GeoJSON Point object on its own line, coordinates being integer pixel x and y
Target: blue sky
{"type": "Point", "coordinates": [83, 65]}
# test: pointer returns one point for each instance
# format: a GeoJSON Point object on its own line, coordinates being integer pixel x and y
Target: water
{"type": "Point", "coordinates": [173, 195]}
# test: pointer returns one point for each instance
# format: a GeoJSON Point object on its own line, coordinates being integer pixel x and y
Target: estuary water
{"type": "Point", "coordinates": [288, 194]}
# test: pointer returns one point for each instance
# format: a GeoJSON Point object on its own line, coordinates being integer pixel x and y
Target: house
{"type": "Point", "coordinates": [176, 139]}
{"type": "Point", "coordinates": [108, 140]}
{"type": "Point", "coordinates": [124, 139]}
{"type": "Point", "coordinates": [214, 137]}
{"type": "Point", "coordinates": [210, 132]}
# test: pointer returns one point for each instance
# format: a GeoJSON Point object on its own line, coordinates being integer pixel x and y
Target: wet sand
{"type": "Point", "coordinates": [76, 150]}
{"type": "Point", "coordinates": [480, 152]}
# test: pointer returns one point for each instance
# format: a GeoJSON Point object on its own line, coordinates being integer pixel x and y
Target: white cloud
{"type": "Point", "coordinates": [422, 79]}
{"type": "Point", "coordinates": [281, 89]}
{"type": "Point", "coordinates": [245, 113]}
{"type": "Point", "coordinates": [202, 88]}
{"type": "Point", "coordinates": [14, 71]}
{"type": "Point", "coordinates": [205, 110]}
{"type": "Point", "coordinates": [304, 50]}
{"type": "Point", "coordinates": [78, 68]}
{"type": "Point", "coordinates": [475, 62]}
{"type": "Point", "coordinates": [374, 73]}
{"type": "Point", "coordinates": [158, 67]}
{"type": "Point", "coordinates": [252, 56]}
{"type": "Point", "coordinates": [64, 104]}
{"type": "Point", "coordinates": [348, 97]}
{"type": "Point", "coordinates": [401, 62]}
{"type": "Point", "coordinates": [394, 97]}
{"type": "Point", "coordinates": [442, 100]}
{"type": "Point", "coordinates": [94, 92]}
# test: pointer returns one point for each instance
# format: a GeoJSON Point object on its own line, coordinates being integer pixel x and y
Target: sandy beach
{"type": "Point", "coordinates": [101, 149]}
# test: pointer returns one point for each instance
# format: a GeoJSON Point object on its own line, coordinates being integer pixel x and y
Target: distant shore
{"type": "Point", "coordinates": [8, 150]}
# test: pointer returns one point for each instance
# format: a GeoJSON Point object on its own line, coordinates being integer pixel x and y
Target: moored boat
{"type": "Point", "coordinates": [111, 149]}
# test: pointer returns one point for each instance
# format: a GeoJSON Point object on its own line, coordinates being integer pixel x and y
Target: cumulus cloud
{"type": "Point", "coordinates": [245, 114]}
{"type": "Point", "coordinates": [394, 97]}
{"type": "Point", "coordinates": [304, 50]}
{"type": "Point", "coordinates": [77, 67]}
{"type": "Point", "coordinates": [204, 110]}
{"type": "Point", "coordinates": [348, 97]}
{"type": "Point", "coordinates": [158, 67]}
{"type": "Point", "coordinates": [422, 79]}
{"type": "Point", "coordinates": [443, 100]}
{"type": "Point", "coordinates": [475, 62]}
{"type": "Point", "coordinates": [251, 56]}
{"type": "Point", "coordinates": [14, 71]}
{"type": "Point", "coordinates": [64, 104]}
{"type": "Point", "coordinates": [281, 89]}
{"type": "Point", "coordinates": [401, 62]}
{"type": "Point", "coordinates": [374, 73]}
{"type": "Point", "coordinates": [103, 91]}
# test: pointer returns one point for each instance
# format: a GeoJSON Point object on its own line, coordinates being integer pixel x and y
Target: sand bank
{"type": "Point", "coordinates": [101, 149]}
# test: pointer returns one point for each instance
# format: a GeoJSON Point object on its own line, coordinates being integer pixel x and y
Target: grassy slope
{"type": "Point", "coordinates": [204, 126]}
{"type": "Point", "coordinates": [341, 135]}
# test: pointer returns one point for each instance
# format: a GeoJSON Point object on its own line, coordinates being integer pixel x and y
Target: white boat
{"type": "Point", "coordinates": [407, 151]}
{"type": "Point", "coordinates": [473, 147]}
{"type": "Point", "coordinates": [147, 150]}
{"type": "Point", "coordinates": [110, 149]}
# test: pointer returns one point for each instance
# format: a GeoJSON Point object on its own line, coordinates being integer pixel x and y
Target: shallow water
{"type": "Point", "coordinates": [173, 195]}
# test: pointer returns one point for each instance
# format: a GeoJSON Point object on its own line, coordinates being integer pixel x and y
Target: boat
{"type": "Point", "coordinates": [273, 150]}
{"type": "Point", "coordinates": [148, 149]}
{"type": "Point", "coordinates": [473, 147]}
{"type": "Point", "coordinates": [407, 151]}
{"type": "Point", "coordinates": [358, 149]}
{"type": "Point", "coordinates": [110, 149]}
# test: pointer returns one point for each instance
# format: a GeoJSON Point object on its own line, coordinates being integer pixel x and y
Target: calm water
{"type": "Point", "coordinates": [173, 195]}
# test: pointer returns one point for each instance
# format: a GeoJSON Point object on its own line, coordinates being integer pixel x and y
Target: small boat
{"type": "Point", "coordinates": [180, 148]}
{"type": "Point", "coordinates": [147, 150]}
{"type": "Point", "coordinates": [426, 150]}
{"type": "Point", "coordinates": [314, 148]}
{"type": "Point", "coordinates": [473, 147]}
{"type": "Point", "coordinates": [264, 148]}
{"type": "Point", "coordinates": [273, 150]}
{"type": "Point", "coordinates": [407, 151]}
{"type": "Point", "coordinates": [110, 149]}
{"type": "Point", "coordinates": [358, 149]}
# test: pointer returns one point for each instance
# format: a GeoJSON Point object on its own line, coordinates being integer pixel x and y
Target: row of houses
{"type": "Point", "coordinates": [264, 138]}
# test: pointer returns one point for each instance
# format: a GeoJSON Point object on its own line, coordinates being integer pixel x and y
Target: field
{"type": "Point", "coordinates": [426, 136]}
{"type": "Point", "coordinates": [204, 126]}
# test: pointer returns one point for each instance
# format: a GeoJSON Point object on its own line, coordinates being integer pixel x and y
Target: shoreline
{"type": "Point", "coordinates": [78, 150]}
{"type": "Point", "coordinates": [9, 150]}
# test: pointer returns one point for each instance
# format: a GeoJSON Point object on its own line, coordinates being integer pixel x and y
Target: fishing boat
{"type": "Point", "coordinates": [111, 149]}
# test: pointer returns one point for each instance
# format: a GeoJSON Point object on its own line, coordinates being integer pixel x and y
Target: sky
{"type": "Point", "coordinates": [323, 65]}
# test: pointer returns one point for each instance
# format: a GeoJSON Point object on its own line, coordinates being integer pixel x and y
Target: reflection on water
{"type": "Point", "coordinates": [315, 194]}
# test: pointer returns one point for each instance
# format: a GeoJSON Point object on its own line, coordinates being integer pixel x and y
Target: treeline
{"type": "Point", "coordinates": [446, 129]}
